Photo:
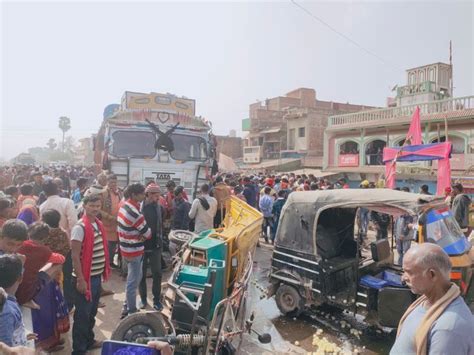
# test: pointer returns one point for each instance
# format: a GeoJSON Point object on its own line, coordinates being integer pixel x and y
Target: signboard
{"type": "Point", "coordinates": [246, 125]}
{"type": "Point", "coordinates": [349, 160]}
{"type": "Point", "coordinates": [155, 101]}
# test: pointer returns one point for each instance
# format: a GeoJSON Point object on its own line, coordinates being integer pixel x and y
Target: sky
{"type": "Point", "coordinates": [74, 58]}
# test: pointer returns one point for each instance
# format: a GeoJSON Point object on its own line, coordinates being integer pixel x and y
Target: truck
{"type": "Point", "coordinates": [155, 137]}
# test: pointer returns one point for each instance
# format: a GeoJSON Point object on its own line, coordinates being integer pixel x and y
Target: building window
{"type": "Point", "coordinates": [301, 132]}
{"type": "Point", "coordinates": [432, 74]}
{"type": "Point", "coordinates": [291, 139]}
{"type": "Point", "coordinates": [422, 76]}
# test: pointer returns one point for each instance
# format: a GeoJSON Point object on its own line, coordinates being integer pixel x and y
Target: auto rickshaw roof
{"type": "Point", "coordinates": [302, 212]}
{"type": "Point", "coordinates": [384, 200]}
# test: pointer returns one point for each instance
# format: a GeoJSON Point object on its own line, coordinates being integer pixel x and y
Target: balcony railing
{"type": "Point", "coordinates": [452, 108]}
{"type": "Point", "coordinates": [424, 87]}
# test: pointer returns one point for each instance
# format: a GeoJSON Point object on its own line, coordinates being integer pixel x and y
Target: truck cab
{"type": "Point", "coordinates": [141, 140]}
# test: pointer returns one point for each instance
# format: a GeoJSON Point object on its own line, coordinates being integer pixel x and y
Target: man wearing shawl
{"type": "Point", "coordinates": [439, 321]}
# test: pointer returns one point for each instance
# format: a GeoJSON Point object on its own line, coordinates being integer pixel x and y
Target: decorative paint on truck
{"type": "Point", "coordinates": [161, 102]}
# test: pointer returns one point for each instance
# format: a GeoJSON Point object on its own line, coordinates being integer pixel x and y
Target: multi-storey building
{"type": "Point", "coordinates": [354, 142]}
{"type": "Point", "coordinates": [290, 125]}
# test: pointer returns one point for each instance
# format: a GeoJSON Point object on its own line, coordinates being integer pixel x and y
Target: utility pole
{"type": "Point", "coordinates": [451, 67]}
{"type": "Point", "coordinates": [451, 89]}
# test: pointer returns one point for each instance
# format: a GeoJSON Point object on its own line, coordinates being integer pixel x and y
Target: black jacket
{"type": "Point", "coordinates": [154, 219]}
{"type": "Point", "coordinates": [180, 219]}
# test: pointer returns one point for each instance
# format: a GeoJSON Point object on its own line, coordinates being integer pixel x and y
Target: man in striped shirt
{"type": "Point", "coordinates": [132, 232]}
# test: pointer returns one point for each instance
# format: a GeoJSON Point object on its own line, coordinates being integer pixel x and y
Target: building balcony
{"type": "Point", "coordinates": [460, 162]}
{"type": "Point", "coordinates": [460, 108]}
{"type": "Point", "coordinates": [419, 88]}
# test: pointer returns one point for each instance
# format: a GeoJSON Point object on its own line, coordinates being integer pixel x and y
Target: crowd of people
{"type": "Point", "coordinates": [64, 230]}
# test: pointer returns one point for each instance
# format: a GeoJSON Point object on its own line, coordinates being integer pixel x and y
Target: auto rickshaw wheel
{"type": "Point", "coordinates": [289, 300]}
{"type": "Point", "coordinates": [139, 325]}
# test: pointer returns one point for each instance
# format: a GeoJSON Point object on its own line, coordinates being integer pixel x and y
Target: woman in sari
{"type": "Point", "coordinates": [40, 291]}
{"type": "Point", "coordinates": [27, 210]}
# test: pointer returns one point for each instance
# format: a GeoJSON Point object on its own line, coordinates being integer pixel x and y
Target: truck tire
{"type": "Point", "coordinates": [138, 325]}
{"type": "Point", "coordinates": [179, 237]}
{"type": "Point", "coordinates": [289, 300]}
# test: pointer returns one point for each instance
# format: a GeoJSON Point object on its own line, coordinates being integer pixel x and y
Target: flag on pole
{"type": "Point", "coordinates": [414, 133]}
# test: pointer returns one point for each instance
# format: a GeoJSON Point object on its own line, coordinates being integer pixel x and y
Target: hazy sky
{"type": "Point", "coordinates": [74, 58]}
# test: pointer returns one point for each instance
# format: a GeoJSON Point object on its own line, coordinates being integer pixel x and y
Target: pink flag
{"type": "Point", "coordinates": [414, 133]}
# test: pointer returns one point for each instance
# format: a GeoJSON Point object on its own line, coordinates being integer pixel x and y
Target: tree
{"type": "Point", "coordinates": [64, 125]}
{"type": "Point", "coordinates": [51, 144]}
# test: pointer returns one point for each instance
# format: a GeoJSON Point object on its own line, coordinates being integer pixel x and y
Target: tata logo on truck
{"type": "Point", "coordinates": [163, 176]}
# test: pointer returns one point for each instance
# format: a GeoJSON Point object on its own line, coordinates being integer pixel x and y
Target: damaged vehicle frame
{"type": "Point", "coordinates": [317, 257]}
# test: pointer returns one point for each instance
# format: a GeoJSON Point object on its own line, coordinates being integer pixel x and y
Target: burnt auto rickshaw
{"type": "Point", "coordinates": [317, 259]}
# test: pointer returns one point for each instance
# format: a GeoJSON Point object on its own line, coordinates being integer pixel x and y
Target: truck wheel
{"type": "Point", "coordinates": [289, 300]}
{"type": "Point", "coordinates": [139, 325]}
{"type": "Point", "coordinates": [179, 237]}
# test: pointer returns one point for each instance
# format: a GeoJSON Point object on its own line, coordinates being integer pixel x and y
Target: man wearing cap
{"type": "Point", "coordinates": [181, 207]}
{"type": "Point", "coordinates": [153, 213]}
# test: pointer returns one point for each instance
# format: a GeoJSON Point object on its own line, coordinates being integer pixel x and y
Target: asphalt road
{"type": "Point", "coordinates": [289, 335]}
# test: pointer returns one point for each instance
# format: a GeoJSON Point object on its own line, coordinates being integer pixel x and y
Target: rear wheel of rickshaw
{"type": "Point", "coordinates": [289, 300]}
{"type": "Point", "coordinates": [140, 325]}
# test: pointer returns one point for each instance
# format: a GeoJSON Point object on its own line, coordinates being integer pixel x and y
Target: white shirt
{"type": "Point", "coordinates": [66, 209]}
{"type": "Point", "coordinates": [204, 219]}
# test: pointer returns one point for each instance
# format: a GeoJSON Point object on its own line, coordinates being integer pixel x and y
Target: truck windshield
{"type": "Point", "coordinates": [133, 144]}
{"type": "Point", "coordinates": [188, 148]}
{"type": "Point", "coordinates": [442, 229]}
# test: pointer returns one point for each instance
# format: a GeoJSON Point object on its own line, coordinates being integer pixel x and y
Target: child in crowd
{"type": "Point", "coordinates": [12, 329]}
{"type": "Point", "coordinates": [14, 233]}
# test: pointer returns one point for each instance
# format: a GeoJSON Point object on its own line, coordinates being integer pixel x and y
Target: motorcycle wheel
{"type": "Point", "coordinates": [139, 325]}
